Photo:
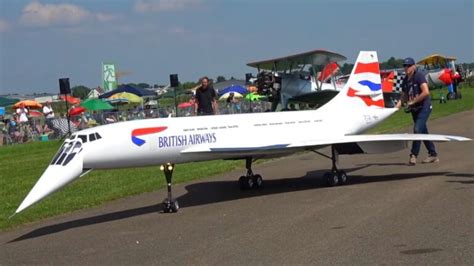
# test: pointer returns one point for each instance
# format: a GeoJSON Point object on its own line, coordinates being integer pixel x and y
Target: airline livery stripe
{"type": "Point", "coordinates": [144, 131]}
{"type": "Point", "coordinates": [370, 68]}
{"type": "Point", "coordinates": [372, 86]}
{"type": "Point", "coordinates": [367, 99]}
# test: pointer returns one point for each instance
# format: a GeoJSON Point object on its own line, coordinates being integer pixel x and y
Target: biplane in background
{"type": "Point", "coordinates": [439, 71]}
{"type": "Point", "coordinates": [310, 77]}
{"type": "Point", "coordinates": [442, 71]}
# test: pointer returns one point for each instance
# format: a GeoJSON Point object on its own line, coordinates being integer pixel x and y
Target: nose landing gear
{"type": "Point", "coordinates": [169, 204]}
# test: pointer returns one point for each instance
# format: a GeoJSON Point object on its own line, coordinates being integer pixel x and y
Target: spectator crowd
{"type": "Point", "coordinates": [27, 125]}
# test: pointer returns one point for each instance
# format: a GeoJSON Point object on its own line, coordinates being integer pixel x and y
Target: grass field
{"type": "Point", "coordinates": [22, 165]}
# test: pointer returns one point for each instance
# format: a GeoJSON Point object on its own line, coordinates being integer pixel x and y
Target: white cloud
{"type": "Point", "coordinates": [177, 30]}
{"type": "Point", "coordinates": [4, 25]}
{"type": "Point", "coordinates": [144, 6]}
{"type": "Point", "coordinates": [43, 15]}
{"type": "Point", "coordinates": [103, 17]}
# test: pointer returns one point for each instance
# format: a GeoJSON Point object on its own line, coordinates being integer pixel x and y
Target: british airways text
{"type": "Point", "coordinates": [183, 140]}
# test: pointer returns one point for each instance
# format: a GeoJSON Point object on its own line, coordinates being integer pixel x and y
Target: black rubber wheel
{"type": "Point", "coordinates": [242, 183]}
{"type": "Point", "coordinates": [331, 179]}
{"type": "Point", "coordinates": [166, 206]}
{"type": "Point", "coordinates": [174, 206]}
{"type": "Point", "coordinates": [170, 206]}
{"type": "Point", "coordinates": [249, 182]}
{"type": "Point", "coordinates": [342, 177]}
{"type": "Point", "coordinates": [258, 181]}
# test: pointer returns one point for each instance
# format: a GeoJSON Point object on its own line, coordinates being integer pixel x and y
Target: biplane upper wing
{"type": "Point", "coordinates": [314, 57]}
{"type": "Point", "coordinates": [436, 59]}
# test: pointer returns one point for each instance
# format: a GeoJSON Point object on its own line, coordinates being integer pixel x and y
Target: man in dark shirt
{"type": "Point", "coordinates": [205, 99]}
{"type": "Point", "coordinates": [416, 96]}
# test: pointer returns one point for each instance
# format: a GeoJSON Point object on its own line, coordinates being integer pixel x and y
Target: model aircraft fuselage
{"type": "Point", "coordinates": [170, 141]}
{"type": "Point", "coordinates": [163, 140]}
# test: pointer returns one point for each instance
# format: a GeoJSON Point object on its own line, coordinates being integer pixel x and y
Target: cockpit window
{"type": "Point", "coordinates": [67, 152]}
{"type": "Point", "coordinates": [83, 138]}
{"type": "Point", "coordinates": [67, 148]}
{"type": "Point", "coordinates": [77, 148]}
{"type": "Point", "coordinates": [92, 137]}
{"type": "Point", "coordinates": [60, 151]}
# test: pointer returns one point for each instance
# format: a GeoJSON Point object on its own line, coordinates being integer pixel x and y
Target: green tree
{"type": "Point", "coordinates": [188, 85]}
{"type": "Point", "coordinates": [80, 91]}
{"type": "Point", "coordinates": [143, 85]}
{"type": "Point", "coordinates": [392, 63]}
{"type": "Point", "coordinates": [220, 78]}
{"type": "Point", "coordinates": [346, 68]}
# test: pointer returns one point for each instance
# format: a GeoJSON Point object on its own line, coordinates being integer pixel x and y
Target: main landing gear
{"type": "Point", "coordinates": [250, 180]}
{"type": "Point", "coordinates": [169, 204]}
{"type": "Point", "coordinates": [335, 176]}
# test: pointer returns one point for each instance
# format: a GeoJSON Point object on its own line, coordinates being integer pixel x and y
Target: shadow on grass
{"type": "Point", "coordinates": [220, 191]}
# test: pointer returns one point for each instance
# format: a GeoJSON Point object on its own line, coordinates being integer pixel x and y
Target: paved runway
{"type": "Point", "coordinates": [389, 213]}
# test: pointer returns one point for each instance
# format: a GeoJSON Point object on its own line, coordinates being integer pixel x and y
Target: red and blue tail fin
{"type": "Point", "coordinates": [364, 87]}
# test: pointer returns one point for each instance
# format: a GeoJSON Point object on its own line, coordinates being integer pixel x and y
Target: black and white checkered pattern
{"type": "Point", "coordinates": [397, 81]}
{"type": "Point", "coordinates": [60, 126]}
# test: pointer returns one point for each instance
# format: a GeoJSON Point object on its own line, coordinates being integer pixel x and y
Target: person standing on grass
{"type": "Point", "coordinates": [205, 99]}
{"type": "Point", "coordinates": [48, 114]}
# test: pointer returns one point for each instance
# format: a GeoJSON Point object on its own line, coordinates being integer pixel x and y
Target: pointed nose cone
{"type": "Point", "coordinates": [55, 177]}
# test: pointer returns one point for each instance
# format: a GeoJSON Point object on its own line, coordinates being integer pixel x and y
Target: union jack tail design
{"type": "Point", "coordinates": [365, 82]}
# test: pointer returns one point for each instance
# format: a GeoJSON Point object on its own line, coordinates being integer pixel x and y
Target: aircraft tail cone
{"type": "Point", "coordinates": [55, 177]}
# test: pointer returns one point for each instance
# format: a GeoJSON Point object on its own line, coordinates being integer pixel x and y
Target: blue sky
{"type": "Point", "coordinates": [44, 40]}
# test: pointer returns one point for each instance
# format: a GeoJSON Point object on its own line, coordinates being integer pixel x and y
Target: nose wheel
{"type": "Point", "coordinates": [251, 180]}
{"type": "Point", "coordinates": [169, 204]}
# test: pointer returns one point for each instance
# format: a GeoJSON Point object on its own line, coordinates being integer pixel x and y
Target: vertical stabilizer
{"type": "Point", "coordinates": [364, 87]}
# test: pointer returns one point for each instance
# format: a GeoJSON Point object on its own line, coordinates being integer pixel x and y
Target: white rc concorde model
{"type": "Point", "coordinates": [170, 141]}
